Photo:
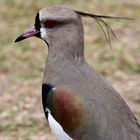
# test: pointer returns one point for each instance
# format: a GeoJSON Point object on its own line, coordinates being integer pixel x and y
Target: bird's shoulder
{"type": "Point", "coordinates": [65, 105]}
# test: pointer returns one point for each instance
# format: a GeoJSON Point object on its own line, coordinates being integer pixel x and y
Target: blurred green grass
{"type": "Point", "coordinates": [22, 64]}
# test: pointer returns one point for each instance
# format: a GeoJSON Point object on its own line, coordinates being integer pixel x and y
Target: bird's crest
{"type": "Point", "coordinates": [100, 20]}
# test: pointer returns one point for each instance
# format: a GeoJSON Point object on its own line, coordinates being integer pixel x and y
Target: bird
{"type": "Point", "coordinates": [78, 103]}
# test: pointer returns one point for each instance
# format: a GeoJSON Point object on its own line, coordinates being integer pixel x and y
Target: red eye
{"type": "Point", "coordinates": [50, 24]}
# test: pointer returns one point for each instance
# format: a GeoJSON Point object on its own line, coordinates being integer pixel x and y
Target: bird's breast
{"type": "Point", "coordinates": [67, 108]}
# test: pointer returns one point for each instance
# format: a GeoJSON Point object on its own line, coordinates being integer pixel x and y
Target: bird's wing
{"type": "Point", "coordinates": [66, 108]}
{"type": "Point", "coordinates": [56, 127]}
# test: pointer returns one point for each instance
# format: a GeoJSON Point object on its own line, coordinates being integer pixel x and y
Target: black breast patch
{"type": "Point", "coordinates": [46, 88]}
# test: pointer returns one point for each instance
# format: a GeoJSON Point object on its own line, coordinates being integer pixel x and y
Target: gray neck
{"type": "Point", "coordinates": [66, 51]}
{"type": "Point", "coordinates": [60, 60]}
{"type": "Point", "coordinates": [73, 52]}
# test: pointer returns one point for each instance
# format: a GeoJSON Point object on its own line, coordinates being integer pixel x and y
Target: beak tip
{"type": "Point", "coordinates": [15, 41]}
{"type": "Point", "coordinates": [20, 38]}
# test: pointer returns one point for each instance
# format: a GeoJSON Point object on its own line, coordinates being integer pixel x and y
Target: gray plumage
{"type": "Point", "coordinates": [107, 115]}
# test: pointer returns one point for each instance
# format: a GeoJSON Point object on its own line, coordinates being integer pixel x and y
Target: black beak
{"type": "Point", "coordinates": [29, 33]}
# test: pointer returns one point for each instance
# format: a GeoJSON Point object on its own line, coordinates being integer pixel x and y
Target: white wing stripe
{"type": "Point", "coordinates": [56, 128]}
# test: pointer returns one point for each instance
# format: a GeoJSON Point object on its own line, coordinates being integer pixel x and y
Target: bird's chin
{"type": "Point", "coordinates": [43, 35]}
{"type": "Point", "coordinates": [38, 35]}
{"type": "Point", "coordinates": [46, 42]}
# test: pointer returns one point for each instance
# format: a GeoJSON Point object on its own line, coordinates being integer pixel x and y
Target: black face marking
{"type": "Point", "coordinates": [37, 22]}
{"type": "Point", "coordinates": [46, 43]}
{"type": "Point", "coordinates": [37, 25]}
{"type": "Point", "coordinates": [46, 88]}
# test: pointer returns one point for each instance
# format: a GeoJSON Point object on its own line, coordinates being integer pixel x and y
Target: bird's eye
{"type": "Point", "coordinates": [50, 24]}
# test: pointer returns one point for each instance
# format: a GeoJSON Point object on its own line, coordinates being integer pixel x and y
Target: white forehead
{"type": "Point", "coordinates": [57, 13]}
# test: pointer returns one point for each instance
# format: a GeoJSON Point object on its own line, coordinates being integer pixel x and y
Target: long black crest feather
{"type": "Point", "coordinates": [100, 21]}
{"type": "Point", "coordinates": [101, 16]}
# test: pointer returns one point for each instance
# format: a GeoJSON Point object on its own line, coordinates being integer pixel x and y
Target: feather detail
{"type": "Point", "coordinates": [84, 14]}
{"type": "Point", "coordinates": [65, 105]}
{"type": "Point", "coordinates": [56, 127]}
{"type": "Point", "coordinates": [100, 21]}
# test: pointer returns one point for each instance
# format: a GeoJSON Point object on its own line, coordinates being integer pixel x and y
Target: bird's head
{"type": "Point", "coordinates": [58, 26]}
{"type": "Point", "coordinates": [62, 29]}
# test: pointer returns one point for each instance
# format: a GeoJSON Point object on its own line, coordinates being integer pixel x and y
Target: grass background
{"type": "Point", "coordinates": [22, 64]}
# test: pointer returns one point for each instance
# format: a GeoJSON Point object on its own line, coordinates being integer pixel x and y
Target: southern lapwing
{"type": "Point", "coordinates": [77, 102]}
